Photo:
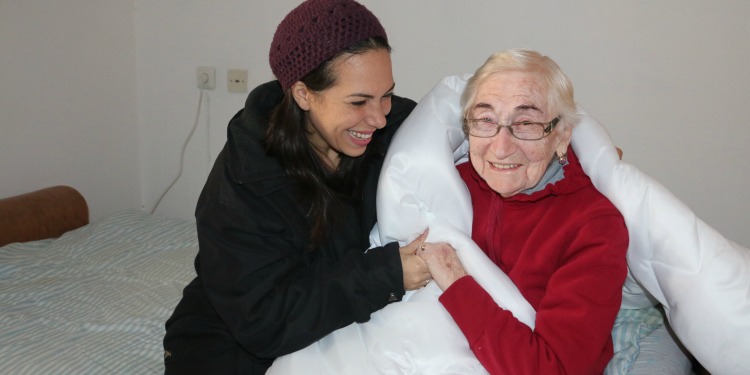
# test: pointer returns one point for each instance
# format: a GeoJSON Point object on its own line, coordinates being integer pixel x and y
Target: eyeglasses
{"type": "Point", "coordinates": [523, 130]}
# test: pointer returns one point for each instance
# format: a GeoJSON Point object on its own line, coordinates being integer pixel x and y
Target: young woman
{"type": "Point", "coordinates": [284, 218]}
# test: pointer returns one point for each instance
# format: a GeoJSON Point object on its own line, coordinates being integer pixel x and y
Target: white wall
{"type": "Point", "coordinates": [669, 80]}
{"type": "Point", "coordinates": [67, 104]}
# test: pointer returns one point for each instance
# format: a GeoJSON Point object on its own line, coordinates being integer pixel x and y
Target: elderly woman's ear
{"type": "Point", "coordinates": [619, 152]}
{"type": "Point", "coordinates": [564, 139]}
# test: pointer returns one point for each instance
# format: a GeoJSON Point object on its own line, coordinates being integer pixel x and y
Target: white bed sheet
{"type": "Point", "coordinates": [95, 300]}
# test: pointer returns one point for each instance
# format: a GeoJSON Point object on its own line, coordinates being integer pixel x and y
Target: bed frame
{"type": "Point", "coordinates": [41, 214]}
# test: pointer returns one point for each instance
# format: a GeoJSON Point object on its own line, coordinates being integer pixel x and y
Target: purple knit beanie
{"type": "Point", "coordinates": [314, 32]}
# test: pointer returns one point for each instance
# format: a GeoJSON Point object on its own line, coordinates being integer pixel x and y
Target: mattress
{"type": "Point", "coordinates": [95, 300]}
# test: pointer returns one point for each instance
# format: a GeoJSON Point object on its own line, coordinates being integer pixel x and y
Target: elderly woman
{"type": "Point", "coordinates": [539, 218]}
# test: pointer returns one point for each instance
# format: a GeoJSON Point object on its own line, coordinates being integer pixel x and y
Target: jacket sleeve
{"type": "Point", "coordinates": [274, 297]}
{"type": "Point", "coordinates": [574, 318]}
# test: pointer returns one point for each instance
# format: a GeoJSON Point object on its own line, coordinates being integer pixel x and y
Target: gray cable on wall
{"type": "Point", "coordinates": [208, 135]}
{"type": "Point", "coordinates": [182, 153]}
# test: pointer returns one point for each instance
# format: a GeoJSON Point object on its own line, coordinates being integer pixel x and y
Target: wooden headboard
{"type": "Point", "coordinates": [46, 213]}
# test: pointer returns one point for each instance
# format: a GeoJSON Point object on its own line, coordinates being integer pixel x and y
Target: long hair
{"type": "Point", "coordinates": [322, 192]}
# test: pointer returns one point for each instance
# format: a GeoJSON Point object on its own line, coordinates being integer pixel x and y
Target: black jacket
{"type": "Point", "coordinates": [260, 293]}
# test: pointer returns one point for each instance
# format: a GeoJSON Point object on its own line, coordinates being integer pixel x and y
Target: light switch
{"type": "Point", "coordinates": [237, 80]}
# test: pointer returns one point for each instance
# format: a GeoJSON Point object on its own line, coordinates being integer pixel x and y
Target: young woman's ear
{"type": "Point", "coordinates": [302, 95]}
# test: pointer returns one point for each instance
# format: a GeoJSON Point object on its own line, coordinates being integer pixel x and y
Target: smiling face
{"type": "Point", "coordinates": [342, 118]}
{"type": "Point", "coordinates": [507, 164]}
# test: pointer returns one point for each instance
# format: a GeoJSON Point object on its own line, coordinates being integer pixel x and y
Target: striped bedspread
{"type": "Point", "coordinates": [95, 300]}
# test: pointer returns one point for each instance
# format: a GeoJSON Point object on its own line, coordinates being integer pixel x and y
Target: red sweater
{"type": "Point", "coordinates": [564, 248]}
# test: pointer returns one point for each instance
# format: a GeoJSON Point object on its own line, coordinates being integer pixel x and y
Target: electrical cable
{"type": "Point", "coordinates": [182, 153]}
{"type": "Point", "coordinates": [208, 135]}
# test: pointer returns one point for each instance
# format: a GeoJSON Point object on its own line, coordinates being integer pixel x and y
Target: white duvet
{"type": "Point", "coordinates": [701, 278]}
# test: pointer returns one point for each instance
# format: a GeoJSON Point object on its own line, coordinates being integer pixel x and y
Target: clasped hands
{"type": "Point", "coordinates": [423, 262]}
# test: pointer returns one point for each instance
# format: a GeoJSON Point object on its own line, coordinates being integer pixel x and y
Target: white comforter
{"type": "Point", "coordinates": [701, 278]}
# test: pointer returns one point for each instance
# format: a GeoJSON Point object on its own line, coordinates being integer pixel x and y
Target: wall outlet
{"type": "Point", "coordinates": [237, 80]}
{"type": "Point", "coordinates": [206, 76]}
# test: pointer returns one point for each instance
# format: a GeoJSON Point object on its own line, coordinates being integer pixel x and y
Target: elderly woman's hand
{"type": "Point", "coordinates": [443, 263]}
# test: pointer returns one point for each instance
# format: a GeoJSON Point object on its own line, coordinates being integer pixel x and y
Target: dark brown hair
{"type": "Point", "coordinates": [323, 193]}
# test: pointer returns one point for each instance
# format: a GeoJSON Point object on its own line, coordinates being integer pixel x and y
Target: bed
{"type": "Point", "coordinates": [80, 297]}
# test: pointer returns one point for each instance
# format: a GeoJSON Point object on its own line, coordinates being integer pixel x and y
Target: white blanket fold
{"type": "Point", "coordinates": [701, 278]}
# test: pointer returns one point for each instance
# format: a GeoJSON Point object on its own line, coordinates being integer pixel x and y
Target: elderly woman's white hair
{"type": "Point", "coordinates": [559, 88]}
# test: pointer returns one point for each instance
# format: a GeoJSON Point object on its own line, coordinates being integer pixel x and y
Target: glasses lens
{"type": "Point", "coordinates": [528, 130]}
{"type": "Point", "coordinates": [482, 128]}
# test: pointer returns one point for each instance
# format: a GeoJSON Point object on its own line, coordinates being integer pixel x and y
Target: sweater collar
{"type": "Point", "coordinates": [554, 172]}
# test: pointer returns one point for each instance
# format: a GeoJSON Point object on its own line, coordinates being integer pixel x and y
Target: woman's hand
{"type": "Point", "coordinates": [442, 262]}
{"type": "Point", "coordinates": [416, 274]}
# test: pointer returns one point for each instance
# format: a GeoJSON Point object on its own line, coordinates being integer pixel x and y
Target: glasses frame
{"type": "Point", "coordinates": [547, 128]}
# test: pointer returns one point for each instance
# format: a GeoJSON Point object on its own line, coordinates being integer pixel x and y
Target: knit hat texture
{"type": "Point", "coordinates": [314, 32]}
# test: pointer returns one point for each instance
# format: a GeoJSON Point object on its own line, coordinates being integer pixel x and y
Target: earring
{"type": "Point", "coordinates": [562, 159]}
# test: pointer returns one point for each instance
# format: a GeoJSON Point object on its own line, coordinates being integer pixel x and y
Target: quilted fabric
{"type": "Point", "coordinates": [701, 278]}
